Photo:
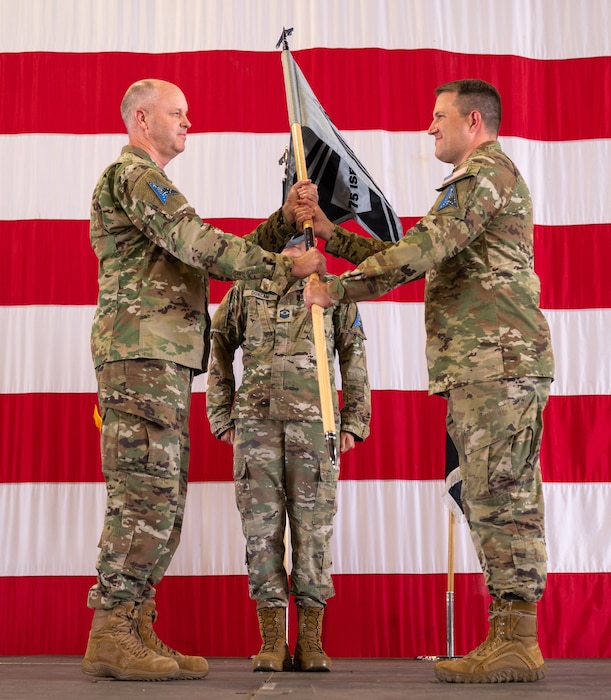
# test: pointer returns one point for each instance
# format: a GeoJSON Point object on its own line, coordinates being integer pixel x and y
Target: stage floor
{"type": "Point", "coordinates": [60, 678]}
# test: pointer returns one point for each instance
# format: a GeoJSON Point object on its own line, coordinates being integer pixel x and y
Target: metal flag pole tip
{"type": "Point", "coordinates": [282, 40]}
{"type": "Point", "coordinates": [330, 439]}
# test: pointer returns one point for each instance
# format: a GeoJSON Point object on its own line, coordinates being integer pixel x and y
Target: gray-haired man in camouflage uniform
{"type": "Point", "coordinates": [489, 354]}
{"type": "Point", "coordinates": [149, 338]}
{"type": "Point", "coordinates": [281, 464]}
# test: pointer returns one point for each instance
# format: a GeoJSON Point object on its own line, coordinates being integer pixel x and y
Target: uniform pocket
{"type": "Point", "coordinates": [154, 390]}
{"type": "Point", "coordinates": [259, 326]}
{"type": "Point", "coordinates": [326, 505]}
{"type": "Point", "coordinates": [243, 495]}
{"type": "Point", "coordinates": [486, 424]}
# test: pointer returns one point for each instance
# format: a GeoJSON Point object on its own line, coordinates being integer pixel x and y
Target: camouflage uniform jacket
{"type": "Point", "coordinates": [155, 257]}
{"type": "Point", "coordinates": [475, 247]}
{"type": "Point", "coordinates": [279, 361]}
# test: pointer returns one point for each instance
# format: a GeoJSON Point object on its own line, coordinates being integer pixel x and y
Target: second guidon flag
{"type": "Point", "coordinates": [453, 481]}
{"type": "Point", "coordinates": [345, 188]}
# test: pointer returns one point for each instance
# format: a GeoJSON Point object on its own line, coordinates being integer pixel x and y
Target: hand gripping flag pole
{"type": "Point", "coordinates": [322, 362]}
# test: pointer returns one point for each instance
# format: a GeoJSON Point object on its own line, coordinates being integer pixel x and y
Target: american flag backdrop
{"type": "Point", "coordinates": [373, 65]}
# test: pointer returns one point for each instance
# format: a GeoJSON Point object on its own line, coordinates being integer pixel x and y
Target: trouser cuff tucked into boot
{"type": "Point", "coordinates": [309, 654]}
{"type": "Point", "coordinates": [274, 654]}
{"type": "Point", "coordinates": [115, 649]}
{"type": "Point", "coordinates": [510, 652]}
{"type": "Point", "coordinates": [190, 667]}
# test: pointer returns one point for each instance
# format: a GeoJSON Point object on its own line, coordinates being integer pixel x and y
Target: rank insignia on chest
{"type": "Point", "coordinates": [162, 192]}
{"type": "Point", "coordinates": [450, 198]}
{"type": "Point", "coordinates": [284, 314]}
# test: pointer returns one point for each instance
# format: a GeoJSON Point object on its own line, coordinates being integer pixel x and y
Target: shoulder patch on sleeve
{"type": "Point", "coordinates": [450, 198]}
{"type": "Point", "coordinates": [162, 192]}
{"type": "Point", "coordinates": [152, 188]}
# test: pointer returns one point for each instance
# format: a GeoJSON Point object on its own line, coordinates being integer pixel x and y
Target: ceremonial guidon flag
{"type": "Point", "coordinates": [345, 189]}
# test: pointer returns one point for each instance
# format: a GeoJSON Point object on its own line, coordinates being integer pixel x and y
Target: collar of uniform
{"type": "Point", "coordinates": [138, 152]}
{"type": "Point", "coordinates": [482, 148]}
{"type": "Point", "coordinates": [468, 167]}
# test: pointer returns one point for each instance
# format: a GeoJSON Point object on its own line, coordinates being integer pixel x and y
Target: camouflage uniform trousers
{"type": "Point", "coordinates": [282, 468]}
{"type": "Point", "coordinates": [497, 427]}
{"type": "Point", "coordinates": [145, 456]}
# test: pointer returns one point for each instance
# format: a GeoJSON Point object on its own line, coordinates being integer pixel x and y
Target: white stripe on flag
{"type": "Point", "coordinates": [46, 349]}
{"type": "Point", "coordinates": [255, 25]}
{"type": "Point", "coordinates": [206, 173]}
{"type": "Point", "coordinates": [55, 528]}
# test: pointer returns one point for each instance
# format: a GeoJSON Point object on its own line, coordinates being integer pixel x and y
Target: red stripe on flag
{"type": "Point", "coordinates": [51, 262]}
{"type": "Point", "coordinates": [407, 440]}
{"type": "Point", "coordinates": [229, 78]}
{"type": "Point", "coordinates": [200, 615]}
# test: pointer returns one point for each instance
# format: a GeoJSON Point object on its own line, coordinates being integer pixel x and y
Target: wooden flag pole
{"type": "Point", "coordinates": [450, 587]}
{"type": "Point", "coordinates": [320, 344]}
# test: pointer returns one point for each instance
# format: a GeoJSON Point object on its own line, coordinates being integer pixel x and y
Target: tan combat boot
{"type": "Point", "coordinates": [115, 649]}
{"type": "Point", "coordinates": [510, 653]}
{"type": "Point", "coordinates": [309, 654]}
{"type": "Point", "coordinates": [190, 667]}
{"type": "Point", "coordinates": [274, 654]}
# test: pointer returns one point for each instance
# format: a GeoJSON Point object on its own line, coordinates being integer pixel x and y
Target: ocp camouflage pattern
{"type": "Point", "coordinates": [155, 257]}
{"type": "Point", "coordinates": [282, 468]}
{"type": "Point", "coordinates": [281, 465]}
{"type": "Point", "coordinates": [475, 247]}
{"type": "Point", "coordinates": [280, 379]}
{"type": "Point", "coordinates": [145, 456]}
{"type": "Point", "coordinates": [497, 427]}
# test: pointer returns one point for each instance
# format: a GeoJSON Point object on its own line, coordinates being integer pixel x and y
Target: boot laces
{"type": "Point", "coordinates": [272, 645]}
{"type": "Point", "coordinates": [128, 637]}
{"type": "Point", "coordinates": [497, 634]}
{"type": "Point", "coordinates": [312, 645]}
{"type": "Point", "coordinates": [273, 638]}
{"type": "Point", "coordinates": [311, 637]}
{"type": "Point", "coordinates": [147, 623]}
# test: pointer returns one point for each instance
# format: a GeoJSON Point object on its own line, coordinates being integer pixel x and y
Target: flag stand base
{"type": "Point", "coordinates": [449, 632]}
{"type": "Point", "coordinates": [437, 658]}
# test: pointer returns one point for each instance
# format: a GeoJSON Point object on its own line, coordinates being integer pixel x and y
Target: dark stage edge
{"type": "Point", "coordinates": [60, 677]}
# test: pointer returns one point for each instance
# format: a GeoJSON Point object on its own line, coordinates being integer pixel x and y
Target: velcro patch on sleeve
{"type": "Point", "coordinates": [450, 198]}
{"type": "Point", "coordinates": [163, 192]}
{"type": "Point", "coordinates": [153, 189]}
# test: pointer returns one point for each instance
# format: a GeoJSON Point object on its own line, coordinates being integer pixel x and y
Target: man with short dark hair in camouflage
{"type": "Point", "coordinates": [281, 462]}
{"type": "Point", "coordinates": [150, 336]}
{"type": "Point", "coordinates": [489, 354]}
